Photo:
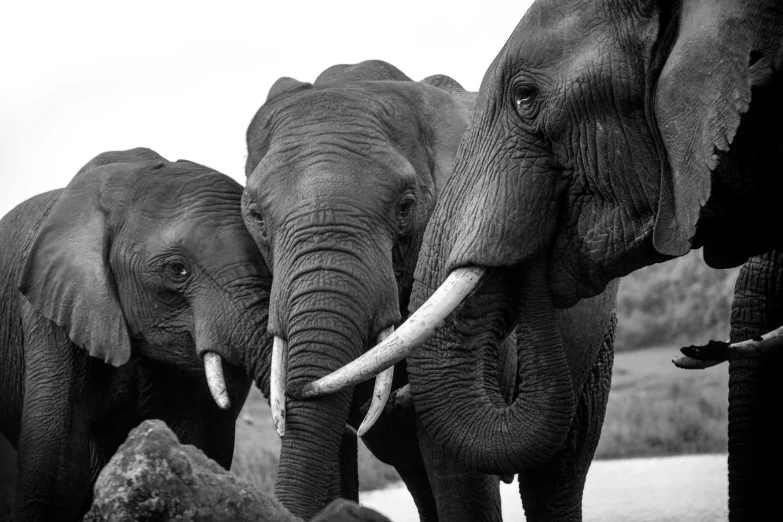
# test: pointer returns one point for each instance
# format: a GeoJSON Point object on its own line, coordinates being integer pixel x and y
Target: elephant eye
{"type": "Point", "coordinates": [405, 211]}
{"type": "Point", "coordinates": [258, 219]}
{"type": "Point", "coordinates": [177, 270]}
{"type": "Point", "coordinates": [524, 96]}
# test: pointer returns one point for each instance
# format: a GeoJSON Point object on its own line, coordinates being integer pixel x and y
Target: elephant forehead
{"type": "Point", "coordinates": [556, 30]}
{"type": "Point", "coordinates": [202, 236]}
{"type": "Point", "coordinates": [356, 113]}
{"type": "Point", "coordinates": [329, 173]}
{"type": "Point", "coordinates": [194, 210]}
{"type": "Point", "coordinates": [177, 191]}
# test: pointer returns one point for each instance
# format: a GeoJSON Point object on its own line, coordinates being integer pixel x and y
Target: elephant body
{"type": "Point", "coordinates": [109, 298]}
{"type": "Point", "coordinates": [608, 135]}
{"type": "Point", "coordinates": [343, 175]}
{"type": "Point", "coordinates": [754, 391]}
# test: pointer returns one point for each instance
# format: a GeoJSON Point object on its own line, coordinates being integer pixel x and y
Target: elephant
{"type": "Point", "coordinates": [754, 389]}
{"type": "Point", "coordinates": [133, 293]}
{"type": "Point", "coordinates": [608, 135]}
{"type": "Point", "coordinates": [343, 175]}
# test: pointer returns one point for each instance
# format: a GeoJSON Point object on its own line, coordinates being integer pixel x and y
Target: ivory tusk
{"type": "Point", "coordinates": [419, 327]}
{"type": "Point", "coordinates": [402, 398]}
{"type": "Point", "coordinates": [213, 366]}
{"type": "Point", "coordinates": [380, 393]}
{"type": "Point", "coordinates": [277, 383]}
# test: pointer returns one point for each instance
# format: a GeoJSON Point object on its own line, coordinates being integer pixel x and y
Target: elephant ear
{"type": "Point", "coordinates": [66, 274]}
{"type": "Point", "coordinates": [286, 85]}
{"type": "Point", "coordinates": [368, 70]}
{"type": "Point", "coordinates": [703, 89]}
{"type": "Point", "coordinates": [447, 83]}
{"type": "Point", "coordinates": [447, 108]}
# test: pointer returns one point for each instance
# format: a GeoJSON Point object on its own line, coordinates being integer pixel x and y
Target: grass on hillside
{"type": "Point", "coordinates": [681, 301]}
{"type": "Point", "coordinates": [657, 409]}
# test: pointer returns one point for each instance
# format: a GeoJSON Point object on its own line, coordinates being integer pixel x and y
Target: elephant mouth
{"type": "Point", "coordinates": [420, 326]}
{"type": "Point", "coordinates": [459, 287]}
{"type": "Point", "coordinates": [278, 382]}
{"type": "Point", "coordinates": [455, 377]}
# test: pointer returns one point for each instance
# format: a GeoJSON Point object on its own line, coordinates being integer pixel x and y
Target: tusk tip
{"type": "Point", "coordinates": [223, 402]}
{"type": "Point", "coordinates": [280, 427]}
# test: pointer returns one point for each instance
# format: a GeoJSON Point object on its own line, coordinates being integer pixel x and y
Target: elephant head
{"type": "Point", "coordinates": [342, 177]}
{"type": "Point", "coordinates": [139, 256]}
{"type": "Point", "coordinates": [608, 135]}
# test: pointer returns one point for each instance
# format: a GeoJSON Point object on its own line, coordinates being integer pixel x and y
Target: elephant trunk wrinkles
{"type": "Point", "coordinates": [455, 383]}
{"type": "Point", "coordinates": [235, 327]}
{"type": "Point", "coordinates": [755, 389]}
{"type": "Point", "coordinates": [329, 323]}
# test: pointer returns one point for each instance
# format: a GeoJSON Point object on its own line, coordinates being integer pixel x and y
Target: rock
{"type": "Point", "coordinates": [153, 477]}
{"type": "Point", "coordinates": [342, 510]}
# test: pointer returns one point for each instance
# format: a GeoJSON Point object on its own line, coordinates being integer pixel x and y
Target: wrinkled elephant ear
{"type": "Point", "coordinates": [66, 274]}
{"type": "Point", "coordinates": [703, 89]}
{"type": "Point", "coordinates": [286, 85]}
{"type": "Point", "coordinates": [447, 83]}
{"type": "Point", "coordinates": [447, 109]}
{"type": "Point", "coordinates": [121, 156]}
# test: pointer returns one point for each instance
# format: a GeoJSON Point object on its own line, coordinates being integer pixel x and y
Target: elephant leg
{"type": "Point", "coordinates": [349, 465]}
{"type": "Point", "coordinates": [61, 393]}
{"type": "Point", "coordinates": [553, 492]}
{"type": "Point", "coordinates": [393, 440]}
{"type": "Point", "coordinates": [755, 394]}
{"type": "Point", "coordinates": [460, 493]}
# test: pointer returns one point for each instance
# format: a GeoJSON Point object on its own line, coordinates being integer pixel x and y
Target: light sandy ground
{"type": "Point", "coordinates": [682, 489]}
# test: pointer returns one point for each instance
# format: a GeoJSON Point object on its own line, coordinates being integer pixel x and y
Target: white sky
{"type": "Point", "coordinates": [80, 77]}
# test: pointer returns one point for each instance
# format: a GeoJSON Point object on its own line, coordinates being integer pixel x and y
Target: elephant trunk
{"type": "Point", "coordinates": [328, 316]}
{"type": "Point", "coordinates": [455, 383]}
{"type": "Point", "coordinates": [755, 389]}
{"type": "Point", "coordinates": [231, 339]}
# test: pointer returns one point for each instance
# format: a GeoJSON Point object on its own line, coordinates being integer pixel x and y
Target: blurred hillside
{"type": "Point", "coordinates": [682, 301]}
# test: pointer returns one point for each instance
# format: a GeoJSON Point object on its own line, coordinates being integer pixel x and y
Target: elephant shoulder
{"type": "Point", "coordinates": [368, 70]}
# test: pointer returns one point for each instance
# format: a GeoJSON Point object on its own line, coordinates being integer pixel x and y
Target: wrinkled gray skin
{"type": "Point", "coordinates": [342, 177]}
{"type": "Point", "coordinates": [112, 290]}
{"type": "Point", "coordinates": [608, 135]}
